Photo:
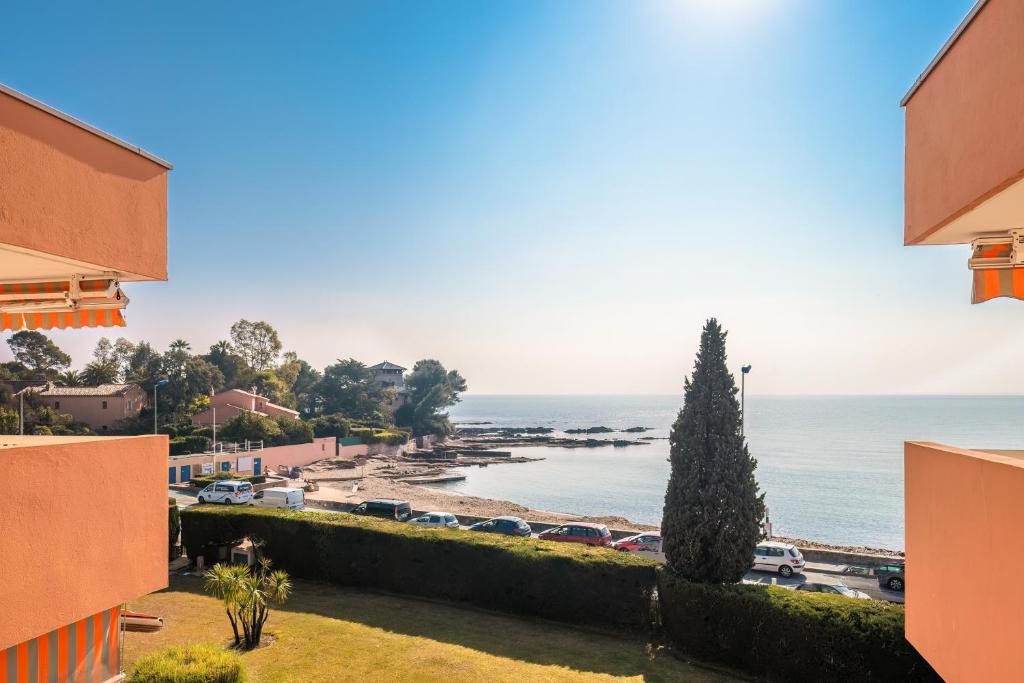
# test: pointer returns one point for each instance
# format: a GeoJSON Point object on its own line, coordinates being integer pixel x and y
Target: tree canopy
{"type": "Point", "coordinates": [431, 388]}
{"type": "Point", "coordinates": [349, 387]}
{"type": "Point", "coordinates": [256, 342]}
{"type": "Point", "coordinates": [713, 510]}
{"type": "Point", "coordinates": [38, 354]}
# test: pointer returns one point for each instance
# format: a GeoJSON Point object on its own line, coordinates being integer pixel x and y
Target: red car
{"type": "Point", "coordinates": [579, 532]}
{"type": "Point", "coordinates": [648, 541]}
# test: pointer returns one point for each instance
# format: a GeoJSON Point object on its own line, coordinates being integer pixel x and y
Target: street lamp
{"type": "Point", "coordinates": [743, 401]}
{"type": "Point", "coordinates": [159, 383]}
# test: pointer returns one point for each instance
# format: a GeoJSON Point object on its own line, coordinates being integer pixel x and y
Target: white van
{"type": "Point", "coordinates": [279, 497]}
{"type": "Point", "coordinates": [231, 492]}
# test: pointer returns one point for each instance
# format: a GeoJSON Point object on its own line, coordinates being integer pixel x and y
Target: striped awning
{"type": "Point", "coordinates": [997, 267]}
{"type": "Point", "coordinates": [48, 304]}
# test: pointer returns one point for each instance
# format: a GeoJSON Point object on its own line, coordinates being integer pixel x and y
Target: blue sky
{"type": "Point", "coordinates": [549, 196]}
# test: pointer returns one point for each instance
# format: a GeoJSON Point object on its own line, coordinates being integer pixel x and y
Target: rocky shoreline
{"type": "Point", "coordinates": [493, 437]}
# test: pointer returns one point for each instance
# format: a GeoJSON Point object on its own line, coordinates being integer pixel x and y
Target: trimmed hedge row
{"type": "Point", "coordinates": [372, 435]}
{"type": "Point", "coordinates": [788, 635]}
{"type": "Point", "coordinates": [562, 581]}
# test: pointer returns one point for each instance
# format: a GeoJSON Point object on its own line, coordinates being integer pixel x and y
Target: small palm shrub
{"type": "Point", "coordinates": [189, 664]}
{"type": "Point", "coordinates": [247, 596]}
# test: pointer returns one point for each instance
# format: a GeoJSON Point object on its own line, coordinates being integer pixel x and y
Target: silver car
{"type": "Point", "coordinates": [436, 520]}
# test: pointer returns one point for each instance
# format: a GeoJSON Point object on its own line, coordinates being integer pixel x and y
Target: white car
{"type": "Point", "coordinates": [783, 558]}
{"type": "Point", "coordinates": [279, 497]}
{"type": "Point", "coordinates": [230, 492]}
{"type": "Point", "coordinates": [436, 520]}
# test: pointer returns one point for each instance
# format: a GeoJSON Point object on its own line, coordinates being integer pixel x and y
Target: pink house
{"type": "Point", "coordinates": [228, 404]}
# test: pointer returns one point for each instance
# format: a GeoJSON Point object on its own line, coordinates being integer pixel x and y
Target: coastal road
{"type": "Point", "coordinates": [818, 572]}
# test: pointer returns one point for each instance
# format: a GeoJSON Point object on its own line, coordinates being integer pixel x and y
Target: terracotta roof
{"type": "Point", "coordinates": [386, 365]}
{"type": "Point", "coordinates": [101, 390]}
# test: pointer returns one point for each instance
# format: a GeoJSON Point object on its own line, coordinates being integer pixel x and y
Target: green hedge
{"type": "Point", "coordinates": [788, 635]}
{"type": "Point", "coordinates": [563, 581]}
{"type": "Point", "coordinates": [189, 664]}
{"type": "Point", "coordinates": [202, 480]}
{"type": "Point", "coordinates": [173, 526]}
{"type": "Point", "coordinates": [373, 435]}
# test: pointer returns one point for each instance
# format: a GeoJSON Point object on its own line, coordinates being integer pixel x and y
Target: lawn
{"type": "Point", "coordinates": [326, 633]}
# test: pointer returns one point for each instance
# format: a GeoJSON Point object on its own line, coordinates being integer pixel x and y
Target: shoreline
{"type": "Point", "coordinates": [382, 477]}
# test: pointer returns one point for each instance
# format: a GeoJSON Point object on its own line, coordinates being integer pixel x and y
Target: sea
{"type": "Point", "coordinates": [831, 467]}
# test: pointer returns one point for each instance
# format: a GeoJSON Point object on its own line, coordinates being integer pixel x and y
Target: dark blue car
{"type": "Point", "coordinates": [510, 526]}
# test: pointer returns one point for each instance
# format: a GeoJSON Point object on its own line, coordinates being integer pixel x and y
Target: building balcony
{"type": "Point", "coordinates": [83, 529]}
{"type": "Point", "coordinates": [964, 597]}
{"type": "Point", "coordinates": [964, 141]}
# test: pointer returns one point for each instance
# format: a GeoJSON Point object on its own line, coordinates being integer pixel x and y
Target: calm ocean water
{"type": "Point", "coordinates": [831, 466]}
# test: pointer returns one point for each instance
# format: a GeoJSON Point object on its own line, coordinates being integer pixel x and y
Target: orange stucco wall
{"type": "Point", "coordinates": [74, 194]}
{"type": "Point", "coordinates": [964, 597]}
{"type": "Point", "coordinates": [83, 526]}
{"type": "Point", "coordinates": [965, 139]}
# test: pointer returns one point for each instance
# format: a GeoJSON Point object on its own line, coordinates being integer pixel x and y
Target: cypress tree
{"type": "Point", "coordinates": [713, 511]}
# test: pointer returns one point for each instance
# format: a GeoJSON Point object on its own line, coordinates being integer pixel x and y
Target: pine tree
{"type": "Point", "coordinates": [713, 511]}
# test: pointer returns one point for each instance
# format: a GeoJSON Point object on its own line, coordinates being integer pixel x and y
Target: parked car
{"type": "Point", "coordinates": [399, 510]}
{"type": "Point", "coordinates": [279, 497]}
{"type": "Point", "coordinates": [510, 526]}
{"type": "Point", "coordinates": [579, 532]}
{"type": "Point", "coordinates": [436, 520]}
{"type": "Point", "coordinates": [773, 556]}
{"type": "Point", "coordinates": [833, 589]}
{"type": "Point", "coordinates": [649, 542]}
{"type": "Point", "coordinates": [891, 576]}
{"type": "Point", "coordinates": [230, 492]}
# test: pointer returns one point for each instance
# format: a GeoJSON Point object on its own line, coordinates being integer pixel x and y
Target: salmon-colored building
{"type": "Point", "coordinates": [80, 213]}
{"type": "Point", "coordinates": [104, 407]}
{"type": "Point", "coordinates": [228, 404]}
{"type": "Point", "coordinates": [965, 507]}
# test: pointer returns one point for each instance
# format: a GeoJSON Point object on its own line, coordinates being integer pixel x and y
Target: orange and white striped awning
{"type": "Point", "coordinates": [998, 265]}
{"type": "Point", "coordinates": [49, 303]}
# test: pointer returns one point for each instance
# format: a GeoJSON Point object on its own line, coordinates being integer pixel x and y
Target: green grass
{"type": "Point", "coordinates": [328, 634]}
{"type": "Point", "coordinates": [189, 664]}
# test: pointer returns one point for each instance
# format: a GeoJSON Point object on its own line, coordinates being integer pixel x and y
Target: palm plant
{"type": "Point", "coordinates": [69, 378]}
{"type": "Point", "coordinates": [247, 596]}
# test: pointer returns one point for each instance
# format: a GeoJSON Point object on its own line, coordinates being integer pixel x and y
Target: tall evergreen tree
{"type": "Point", "coordinates": [713, 511]}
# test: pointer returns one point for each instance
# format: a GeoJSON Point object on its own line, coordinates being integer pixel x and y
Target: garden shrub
{"type": "Point", "coordinates": [789, 635]}
{"type": "Point", "coordinates": [189, 664]}
{"type": "Point", "coordinates": [193, 443]}
{"type": "Point", "coordinates": [563, 581]}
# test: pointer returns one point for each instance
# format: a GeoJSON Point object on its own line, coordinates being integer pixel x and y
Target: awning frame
{"type": "Point", "coordinates": [1011, 257]}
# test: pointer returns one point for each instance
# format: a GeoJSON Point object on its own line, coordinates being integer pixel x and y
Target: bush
{"type": "Point", "coordinates": [564, 581]}
{"type": "Point", "coordinates": [788, 635]}
{"type": "Point", "coordinates": [331, 425]}
{"type": "Point", "coordinates": [372, 435]}
{"type": "Point", "coordinates": [189, 664]}
{"type": "Point", "coordinates": [182, 445]}
{"type": "Point", "coordinates": [293, 431]}
{"type": "Point", "coordinates": [252, 427]}
{"type": "Point", "coordinates": [173, 527]}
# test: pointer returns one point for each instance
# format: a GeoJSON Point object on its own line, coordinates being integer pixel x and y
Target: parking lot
{"type": "Point", "coordinates": [817, 572]}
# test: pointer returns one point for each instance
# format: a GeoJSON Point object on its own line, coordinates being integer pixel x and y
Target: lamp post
{"type": "Point", "coordinates": [743, 399]}
{"type": "Point", "coordinates": [160, 383]}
